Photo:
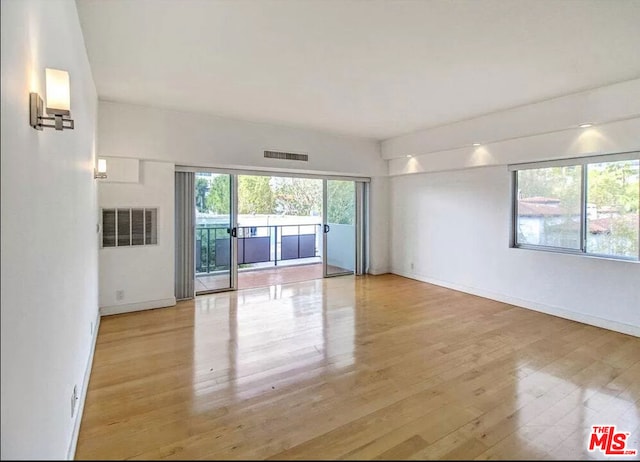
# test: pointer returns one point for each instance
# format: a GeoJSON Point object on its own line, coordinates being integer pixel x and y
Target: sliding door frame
{"type": "Point", "coordinates": [286, 174]}
{"type": "Point", "coordinates": [233, 226]}
{"type": "Point", "coordinates": [361, 227]}
{"type": "Point", "coordinates": [233, 179]}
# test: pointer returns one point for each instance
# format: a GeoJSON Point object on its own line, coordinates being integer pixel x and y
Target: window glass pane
{"type": "Point", "coordinates": [613, 194]}
{"type": "Point", "coordinates": [124, 237]}
{"type": "Point", "coordinates": [151, 226]}
{"type": "Point", "coordinates": [137, 227]}
{"type": "Point", "coordinates": [109, 228]}
{"type": "Point", "coordinates": [549, 207]}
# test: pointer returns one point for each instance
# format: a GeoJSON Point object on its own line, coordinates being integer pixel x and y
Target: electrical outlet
{"type": "Point", "coordinates": [411, 265]}
{"type": "Point", "coordinates": [91, 328]}
{"type": "Point", "coordinates": [119, 294]}
{"type": "Point", "coordinates": [74, 400]}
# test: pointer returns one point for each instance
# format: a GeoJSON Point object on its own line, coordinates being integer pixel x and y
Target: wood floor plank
{"type": "Point", "coordinates": [374, 367]}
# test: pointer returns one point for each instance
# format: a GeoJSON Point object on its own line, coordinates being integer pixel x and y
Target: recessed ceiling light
{"type": "Point", "coordinates": [476, 144]}
{"type": "Point", "coordinates": [585, 125]}
{"type": "Point", "coordinates": [409, 155]}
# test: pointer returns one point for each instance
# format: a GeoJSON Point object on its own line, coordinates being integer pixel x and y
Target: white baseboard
{"type": "Point", "coordinates": [131, 307]}
{"type": "Point", "coordinates": [378, 271]}
{"type": "Point", "coordinates": [547, 309]}
{"type": "Point", "coordinates": [83, 394]}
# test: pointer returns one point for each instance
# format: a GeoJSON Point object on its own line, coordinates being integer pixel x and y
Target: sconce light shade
{"type": "Point", "coordinates": [58, 95]}
{"type": "Point", "coordinates": [101, 171]}
{"type": "Point", "coordinates": [58, 103]}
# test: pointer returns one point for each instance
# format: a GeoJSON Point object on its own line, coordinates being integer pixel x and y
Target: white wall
{"type": "Point", "coordinates": [452, 229]}
{"type": "Point", "coordinates": [144, 273]}
{"type": "Point", "coordinates": [203, 140]}
{"type": "Point", "coordinates": [621, 136]}
{"type": "Point", "coordinates": [49, 239]}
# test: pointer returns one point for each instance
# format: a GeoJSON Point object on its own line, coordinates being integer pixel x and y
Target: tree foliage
{"type": "Point", "coordinates": [219, 195]}
{"type": "Point", "coordinates": [255, 195]}
{"type": "Point", "coordinates": [561, 183]}
{"type": "Point", "coordinates": [341, 202]}
{"type": "Point", "coordinates": [298, 196]}
{"type": "Point", "coordinates": [614, 184]}
{"type": "Point", "coordinates": [610, 184]}
{"type": "Point", "coordinates": [202, 188]}
{"type": "Point", "coordinates": [275, 195]}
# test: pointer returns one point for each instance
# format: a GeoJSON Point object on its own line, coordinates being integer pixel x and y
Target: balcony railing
{"type": "Point", "coordinates": [256, 244]}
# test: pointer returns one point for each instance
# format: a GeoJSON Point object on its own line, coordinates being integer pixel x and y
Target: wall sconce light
{"type": "Point", "coordinates": [101, 170]}
{"type": "Point", "coordinates": [58, 103]}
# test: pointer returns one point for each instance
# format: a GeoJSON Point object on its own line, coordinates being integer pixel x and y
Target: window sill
{"type": "Point", "coordinates": [576, 253]}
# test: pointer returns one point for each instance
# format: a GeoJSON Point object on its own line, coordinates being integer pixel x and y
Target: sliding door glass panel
{"type": "Point", "coordinates": [213, 241]}
{"type": "Point", "coordinates": [340, 227]}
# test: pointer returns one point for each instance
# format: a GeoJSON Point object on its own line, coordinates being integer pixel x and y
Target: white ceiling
{"type": "Point", "coordinates": [370, 68]}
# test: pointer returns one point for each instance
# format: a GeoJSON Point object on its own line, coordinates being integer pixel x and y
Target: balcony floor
{"type": "Point", "coordinates": [261, 277]}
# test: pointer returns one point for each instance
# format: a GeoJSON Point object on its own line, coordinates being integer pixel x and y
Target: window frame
{"type": "Point", "coordinates": [583, 163]}
{"type": "Point", "coordinates": [115, 209]}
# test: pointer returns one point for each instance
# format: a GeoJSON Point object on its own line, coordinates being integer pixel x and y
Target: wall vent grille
{"type": "Point", "coordinates": [286, 156]}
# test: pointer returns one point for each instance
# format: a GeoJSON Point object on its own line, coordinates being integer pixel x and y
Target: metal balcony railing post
{"type": "Point", "coordinates": [208, 250]}
{"type": "Point", "coordinates": [275, 250]}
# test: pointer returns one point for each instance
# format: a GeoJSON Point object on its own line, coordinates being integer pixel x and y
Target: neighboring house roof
{"type": "Point", "coordinates": [541, 200]}
{"type": "Point", "coordinates": [605, 225]}
{"type": "Point", "coordinates": [609, 209]}
{"type": "Point", "coordinates": [600, 226]}
{"type": "Point", "coordinates": [527, 208]}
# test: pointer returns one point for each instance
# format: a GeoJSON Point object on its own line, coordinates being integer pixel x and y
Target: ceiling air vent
{"type": "Point", "coordinates": [286, 156]}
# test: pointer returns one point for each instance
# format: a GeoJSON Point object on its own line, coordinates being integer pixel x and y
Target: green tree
{"type": "Point", "coordinates": [614, 189]}
{"type": "Point", "coordinates": [341, 202]}
{"type": "Point", "coordinates": [561, 183]}
{"type": "Point", "coordinates": [255, 195]}
{"type": "Point", "coordinates": [202, 187]}
{"type": "Point", "coordinates": [219, 195]}
{"type": "Point", "coordinates": [298, 196]}
{"type": "Point", "coordinates": [614, 184]}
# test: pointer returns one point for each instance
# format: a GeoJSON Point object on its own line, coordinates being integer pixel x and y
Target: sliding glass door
{"type": "Point", "coordinates": [215, 230]}
{"type": "Point", "coordinates": [317, 225]}
{"type": "Point", "coordinates": [340, 220]}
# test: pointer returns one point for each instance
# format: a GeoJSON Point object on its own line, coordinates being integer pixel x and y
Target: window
{"type": "Point", "coordinates": [123, 227]}
{"type": "Point", "coordinates": [587, 206]}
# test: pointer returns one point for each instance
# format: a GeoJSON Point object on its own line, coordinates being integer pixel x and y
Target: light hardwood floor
{"type": "Point", "coordinates": [355, 368]}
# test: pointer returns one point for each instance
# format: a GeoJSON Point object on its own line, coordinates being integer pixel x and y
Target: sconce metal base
{"type": "Point", "coordinates": [35, 110]}
{"type": "Point", "coordinates": [38, 121]}
{"type": "Point", "coordinates": [99, 175]}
